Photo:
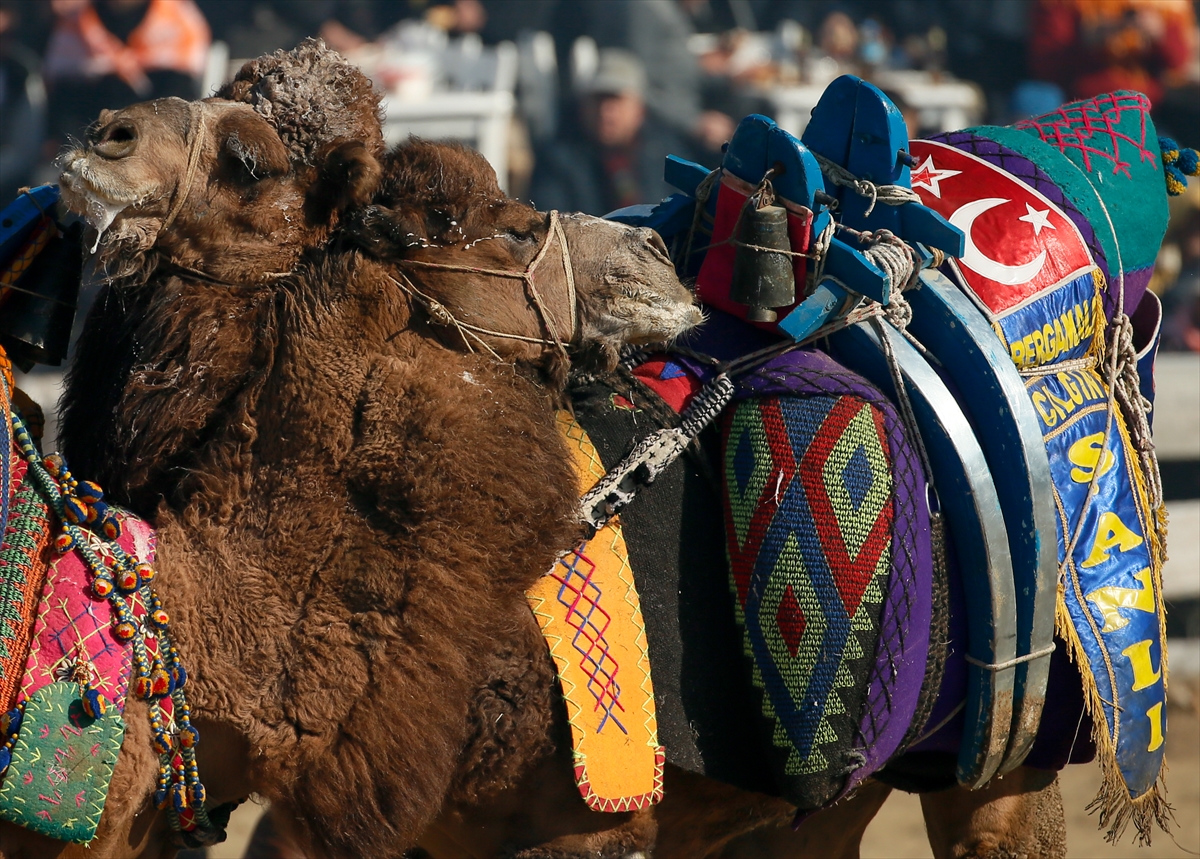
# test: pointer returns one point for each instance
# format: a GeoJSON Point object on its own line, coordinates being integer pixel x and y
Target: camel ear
{"type": "Point", "coordinates": [348, 178]}
{"type": "Point", "coordinates": [254, 144]}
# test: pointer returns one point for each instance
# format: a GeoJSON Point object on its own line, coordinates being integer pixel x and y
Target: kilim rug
{"type": "Point", "coordinates": [827, 529]}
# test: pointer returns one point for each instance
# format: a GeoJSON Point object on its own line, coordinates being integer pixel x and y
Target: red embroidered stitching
{"type": "Point", "coordinates": [1073, 126]}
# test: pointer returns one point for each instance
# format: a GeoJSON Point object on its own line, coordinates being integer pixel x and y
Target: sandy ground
{"type": "Point", "coordinates": [898, 832]}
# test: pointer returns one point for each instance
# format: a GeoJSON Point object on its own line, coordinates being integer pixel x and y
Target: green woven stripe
{"type": "Point", "coordinates": [28, 520]}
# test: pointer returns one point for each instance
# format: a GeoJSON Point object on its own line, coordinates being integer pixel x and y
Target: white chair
{"type": "Point", "coordinates": [217, 69]}
{"type": "Point", "coordinates": [477, 109]}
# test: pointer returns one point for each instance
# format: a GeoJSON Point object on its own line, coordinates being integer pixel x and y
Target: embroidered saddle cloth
{"type": "Point", "coordinates": [56, 642]}
{"type": "Point", "coordinates": [590, 613]}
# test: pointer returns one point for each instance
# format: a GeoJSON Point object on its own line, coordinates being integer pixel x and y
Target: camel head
{"type": "Point", "coordinates": [234, 187]}
{"type": "Point", "coordinates": [441, 222]}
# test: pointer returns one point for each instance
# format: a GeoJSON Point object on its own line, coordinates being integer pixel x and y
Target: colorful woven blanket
{"type": "Point", "coordinates": [56, 645]}
{"type": "Point", "coordinates": [828, 537]}
{"type": "Point", "coordinates": [81, 630]}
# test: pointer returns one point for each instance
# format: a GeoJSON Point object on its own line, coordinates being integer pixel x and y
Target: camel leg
{"type": "Point", "coordinates": [1019, 815]}
{"type": "Point", "coordinates": [698, 816]}
{"type": "Point", "coordinates": [835, 833]}
{"type": "Point", "coordinates": [542, 817]}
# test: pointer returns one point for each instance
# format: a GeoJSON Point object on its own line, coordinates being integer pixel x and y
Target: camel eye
{"type": "Point", "coordinates": [518, 235]}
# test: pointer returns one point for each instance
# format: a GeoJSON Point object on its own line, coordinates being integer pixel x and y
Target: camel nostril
{"type": "Point", "coordinates": [116, 140]}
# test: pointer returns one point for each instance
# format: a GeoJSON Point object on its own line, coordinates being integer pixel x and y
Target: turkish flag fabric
{"type": "Point", "coordinates": [1019, 245]}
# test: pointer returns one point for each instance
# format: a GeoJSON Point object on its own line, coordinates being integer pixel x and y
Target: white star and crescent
{"type": "Point", "coordinates": [928, 176]}
{"type": "Point", "coordinates": [979, 262]}
{"type": "Point", "coordinates": [1037, 219]}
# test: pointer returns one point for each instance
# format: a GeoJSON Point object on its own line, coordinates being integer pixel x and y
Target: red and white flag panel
{"type": "Point", "coordinates": [1019, 243]}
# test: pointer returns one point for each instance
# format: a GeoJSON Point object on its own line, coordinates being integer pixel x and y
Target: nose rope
{"type": "Point", "coordinates": [196, 137]}
{"type": "Point", "coordinates": [443, 316]}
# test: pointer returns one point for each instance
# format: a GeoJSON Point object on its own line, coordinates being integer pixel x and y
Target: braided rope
{"type": "Point", "coordinates": [1136, 407]}
{"type": "Point", "coordinates": [653, 455]}
{"type": "Point", "coordinates": [889, 195]}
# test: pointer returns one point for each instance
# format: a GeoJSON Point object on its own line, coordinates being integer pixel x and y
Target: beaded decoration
{"type": "Point", "coordinates": [89, 526]}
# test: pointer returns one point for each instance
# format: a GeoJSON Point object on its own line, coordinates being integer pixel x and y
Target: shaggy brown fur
{"type": "Point", "coordinates": [349, 513]}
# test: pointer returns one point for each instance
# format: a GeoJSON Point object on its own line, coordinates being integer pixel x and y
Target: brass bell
{"type": "Point", "coordinates": [38, 309]}
{"type": "Point", "coordinates": [763, 280]}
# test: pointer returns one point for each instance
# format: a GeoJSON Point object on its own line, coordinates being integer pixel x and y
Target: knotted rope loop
{"type": "Point", "coordinates": [442, 316]}
{"type": "Point", "coordinates": [889, 195]}
{"type": "Point", "coordinates": [891, 255]}
{"type": "Point", "coordinates": [1135, 406]}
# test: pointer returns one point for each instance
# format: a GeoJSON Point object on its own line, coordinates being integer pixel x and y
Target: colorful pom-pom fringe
{"type": "Point", "coordinates": [1178, 163]}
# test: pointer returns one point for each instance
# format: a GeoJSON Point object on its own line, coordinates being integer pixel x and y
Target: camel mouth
{"type": "Point", "coordinates": [80, 184]}
{"type": "Point", "coordinates": [644, 315]}
{"type": "Point", "coordinates": [85, 194]}
{"type": "Point", "coordinates": [665, 327]}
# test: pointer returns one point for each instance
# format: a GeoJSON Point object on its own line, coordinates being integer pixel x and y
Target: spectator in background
{"type": "Point", "coordinates": [657, 33]}
{"type": "Point", "coordinates": [1094, 46]}
{"type": "Point", "coordinates": [254, 27]}
{"type": "Point", "coordinates": [112, 53]}
{"type": "Point", "coordinates": [986, 41]}
{"type": "Point", "coordinates": [22, 107]}
{"type": "Point", "coordinates": [614, 164]}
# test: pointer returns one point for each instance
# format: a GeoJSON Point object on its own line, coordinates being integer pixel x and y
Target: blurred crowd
{"type": "Point", "coordinates": [634, 79]}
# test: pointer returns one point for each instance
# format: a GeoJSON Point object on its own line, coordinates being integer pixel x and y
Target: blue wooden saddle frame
{"type": "Point", "coordinates": [975, 524]}
{"type": "Point", "coordinates": [872, 142]}
{"type": "Point", "coordinates": [992, 392]}
{"type": "Point", "coordinates": [19, 217]}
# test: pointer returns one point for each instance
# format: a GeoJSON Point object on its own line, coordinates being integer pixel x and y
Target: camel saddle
{"type": "Point", "coordinates": [985, 293]}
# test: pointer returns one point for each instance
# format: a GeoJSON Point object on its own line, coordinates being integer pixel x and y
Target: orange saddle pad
{"type": "Point", "coordinates": [591, 617]}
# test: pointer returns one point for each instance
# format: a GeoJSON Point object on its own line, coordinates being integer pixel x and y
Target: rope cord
{"type": "Point", "coordinates": [820, 250]}
{"type": "Point", "coordinates": [652, 455]}
{"type": "Point", "coordinates": [1009, 663]}
{"type": "Point", "coordinates": [196, 137]}
{"type": "Point", "coordinates": [1122, 374]}
{"type": "Point", "coordinates": [441, 315]}
{"type": "Point", "coordinates": [703, 192]}
{"type": "Point", "coordinates": [889, 195]}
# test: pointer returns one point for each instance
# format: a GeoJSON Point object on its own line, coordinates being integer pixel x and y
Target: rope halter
{"type": "Point", "coordinates": [196, 136]}
{"type": "Point", "coordinates": [439, 314]}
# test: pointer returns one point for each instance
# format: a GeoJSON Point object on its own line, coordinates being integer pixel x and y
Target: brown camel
{"type": "Point", "coordinates": [352, 493]}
